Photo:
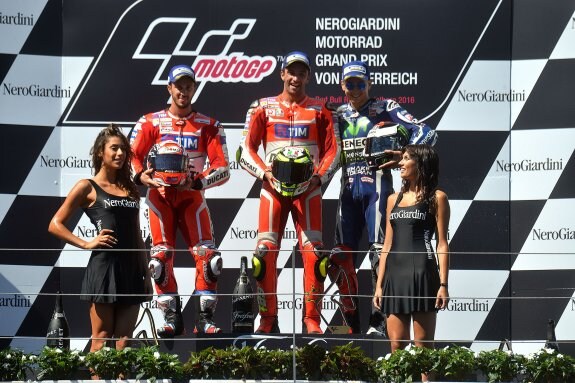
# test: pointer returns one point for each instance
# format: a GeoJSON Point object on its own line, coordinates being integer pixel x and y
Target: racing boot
{"type": "Point", "coordinates": [174, 321]}
{"type": "Point", "coordinates": [205, 305]}
{"type": "Point", "coordinates": [351, 318]}
{"type": "Point", "coordinates": [268, 325]}
{"type": "Point", "coordinates": [377, 320]}
{"type": "Point", "coordinates": [377, 324]}
{"type": "Point", "coordinates": [206, 324]}
{"type": "Point", "coordinates": [311, 326]}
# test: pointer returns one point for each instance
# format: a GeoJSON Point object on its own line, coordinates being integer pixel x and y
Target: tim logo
{"type": "Point", "coordinates": [295, 131]}
{"type": "Point", "coordinates": [224, 66]}
{"type": "Point", "coordinates": [188, 143]}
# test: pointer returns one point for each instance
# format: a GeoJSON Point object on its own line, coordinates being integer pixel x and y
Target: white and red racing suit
{"type": "Point", "coordinates": [172, 207]}
{"type": "Point", "coordinates": [276, 123]}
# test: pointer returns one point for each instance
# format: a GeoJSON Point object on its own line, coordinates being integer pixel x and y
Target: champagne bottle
{"type": "Point", "coordinates": [551, 341]}
{"type": "Point", "coordinates": [58, 335]}
{"type": "Point", "coordinates": [243, 302]}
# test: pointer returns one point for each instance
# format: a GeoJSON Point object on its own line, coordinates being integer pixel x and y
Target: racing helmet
{"type": "Point", "coordinates": [170, 163]}
{"type": "Point", "coordinates": [386, 135]}
{"type": "Point", "coordinates": [292, 169]}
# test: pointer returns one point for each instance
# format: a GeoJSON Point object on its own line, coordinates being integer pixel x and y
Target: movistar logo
{"type": "Point", "coordinates": [353, 129]}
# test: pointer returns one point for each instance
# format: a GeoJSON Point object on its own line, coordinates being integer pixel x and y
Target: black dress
{"type": "Point", "coordinates": [117, 272]}
{"type": "Point", "coordinates": [411, 267]}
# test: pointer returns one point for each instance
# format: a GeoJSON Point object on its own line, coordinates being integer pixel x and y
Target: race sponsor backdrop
{"type": "Point", "coordinates": [495, 78]}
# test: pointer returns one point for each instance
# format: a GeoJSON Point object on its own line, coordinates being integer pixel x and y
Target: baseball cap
{"type": "Point", "coordinates": [295, 56]}
{"type": "Point", "coordinates": [355, 69]}
{"type": "Point", "coordinates": [179, 71]}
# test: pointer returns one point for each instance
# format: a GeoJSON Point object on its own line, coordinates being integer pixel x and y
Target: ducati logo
{"type": "Point", "coordinates": [225, 66]}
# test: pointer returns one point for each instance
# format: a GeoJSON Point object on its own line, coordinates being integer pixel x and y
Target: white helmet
{"type": "Point", "coordinates": [386, 135]}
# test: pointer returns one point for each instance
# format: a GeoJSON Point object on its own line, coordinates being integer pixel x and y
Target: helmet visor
{"type": "Point", "coordinates": [169, 162]}
{"type": "Point", "coordinates": [292, 172]}
{"type": "Point", "coordinates": [377, 145]}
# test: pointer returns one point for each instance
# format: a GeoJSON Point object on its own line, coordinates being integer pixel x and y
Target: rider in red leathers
{"type": "Point", "coordinates": [182, 206]}
{"type": "Point", "coordinates": [290, 119]}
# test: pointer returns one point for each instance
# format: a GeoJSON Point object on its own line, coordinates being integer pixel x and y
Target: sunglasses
{"type": "Point", "coordinates": [352, 85]}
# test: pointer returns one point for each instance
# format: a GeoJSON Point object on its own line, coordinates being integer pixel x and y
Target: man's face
{"type": "Point", "coordinates": [295, 78]}
{"type": "Point", "coordinates": [356, 90]}
{"type": "Point", "coordinates": [182, 92]}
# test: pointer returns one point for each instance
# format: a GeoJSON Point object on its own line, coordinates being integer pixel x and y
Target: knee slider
{"type": "Point", "coordinates": [210, 259]}
{"type": "Point", "coordinates": [321, 268]}
{"type": "Point", "coordinates": [341, 258]}
{"type": "Point", "coordinates": [157, 264]}
{"type": "Point", "coordinates": [322, 264]}
{"type": "Point", "coordinates": [258, 261]}
{"type": "Point", "coordinates": [258, 267]}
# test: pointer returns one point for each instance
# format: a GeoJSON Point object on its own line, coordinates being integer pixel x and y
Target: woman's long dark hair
{"type": "Point", "coordinates": [124, 180]}
{"type": "Point", "coordinates": [427, 179]}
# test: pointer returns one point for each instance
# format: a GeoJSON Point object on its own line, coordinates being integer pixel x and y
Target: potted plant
{"type": "Point", "coordinates": [548, 365]}
{"type": "Point", "coordinates": [453, 363]}
{"type": "Point", "coordinates": [58, 364]}
{"type": "Point", "coordinates": [500, 366]}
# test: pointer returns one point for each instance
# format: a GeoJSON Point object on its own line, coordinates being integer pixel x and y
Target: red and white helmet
{"type": "Point", "coordinates": [170, 163]}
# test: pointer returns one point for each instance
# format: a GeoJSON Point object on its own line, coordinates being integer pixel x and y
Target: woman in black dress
{"type": "Point", "coordinates": [115, 282]}
{"type": "Point", "coordinates": [412, 282]}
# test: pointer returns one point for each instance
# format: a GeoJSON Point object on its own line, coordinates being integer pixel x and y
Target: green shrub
{"type": "Point", "coordinates": [405, 365]}
{"type": "Point", "coordinates": [13, 364]}
{"type": "Point", "coordinates": [58, 364]}
{"type": "Point", "coordinates": [109, 363]}
{"type": "Point", "coordinates": [349, 363]}
{"type": "Point", "coordinates": [453, 363]}
{"type": "Point", "coordinates": [151, 364]}
{"type": "Point", "coordinates": [309, 360]}
{"type": "Point", "coordinates": [500, 365]}
{"type": "Point", "coordinates": [548, 365]}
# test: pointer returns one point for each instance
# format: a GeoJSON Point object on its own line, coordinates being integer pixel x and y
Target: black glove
{"type": "Point", "coordinates": [197, 184]}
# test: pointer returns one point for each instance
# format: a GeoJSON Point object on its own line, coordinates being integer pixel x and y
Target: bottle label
{"type": "Point", "coordinates": [242, 316]}
{"type": "Point", "coordinates": [241, 298]}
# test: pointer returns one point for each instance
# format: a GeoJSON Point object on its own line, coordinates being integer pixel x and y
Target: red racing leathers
{"type": "Point", "coordinates": [275, 123]}
{"type": "Point", "coordinates": [172, 207]}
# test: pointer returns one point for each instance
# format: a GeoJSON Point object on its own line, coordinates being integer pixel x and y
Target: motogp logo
{"type": "Point", "coordinates": [224, 66]}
